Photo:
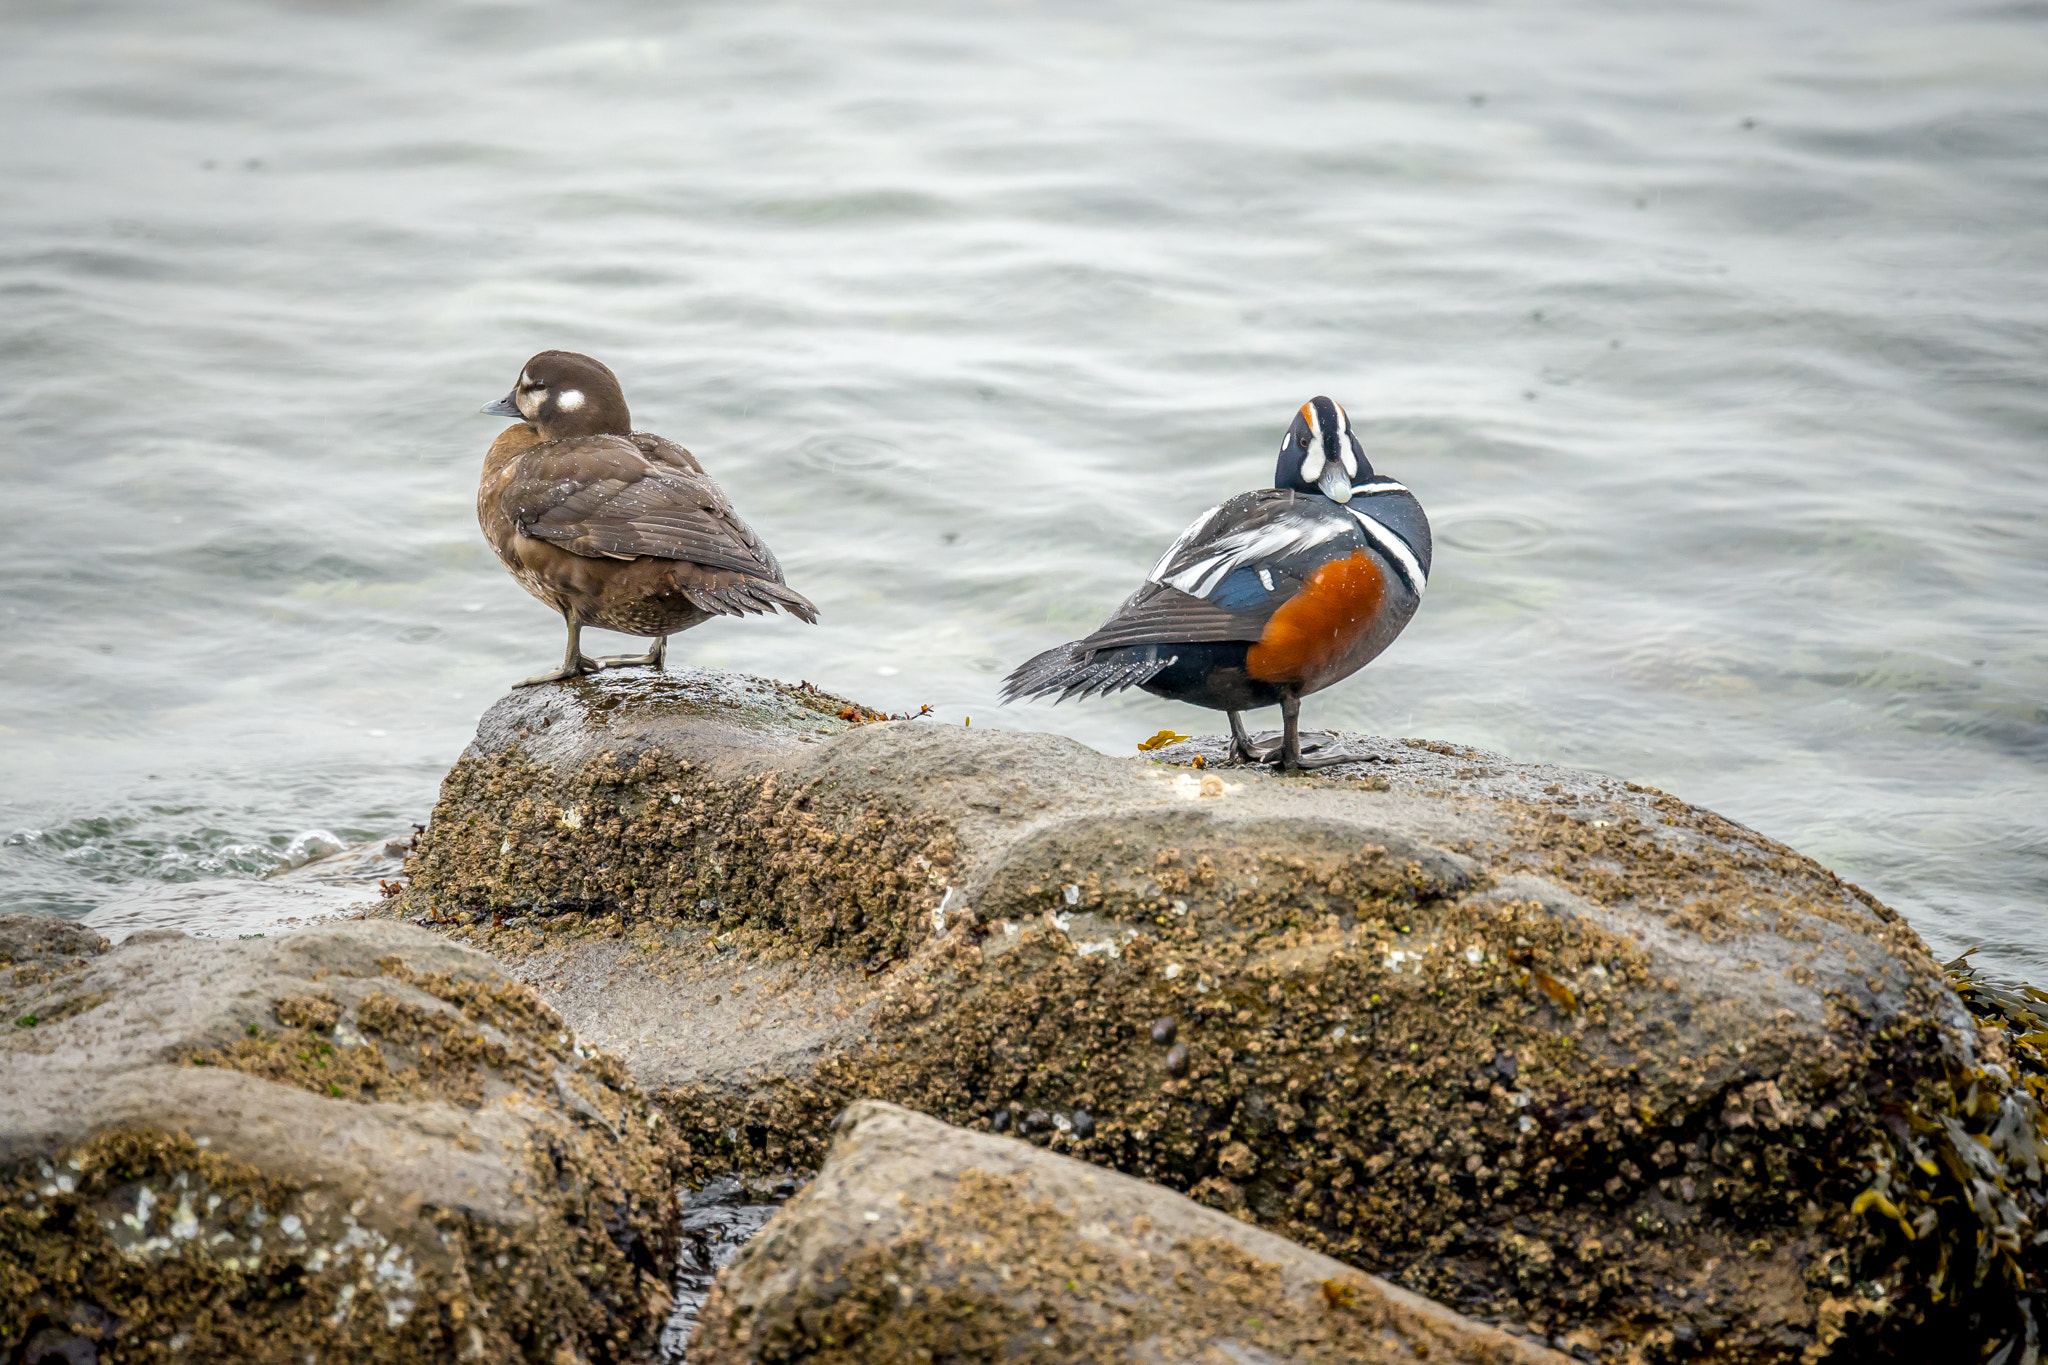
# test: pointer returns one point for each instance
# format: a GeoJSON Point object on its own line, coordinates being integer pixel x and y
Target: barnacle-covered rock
{"type": "Point", "coordinates": [1551, 1048]}
{"type": "Point", "coordinates": [359, 1142]}
{"type": "Point", "coordinates": [918, 1241]}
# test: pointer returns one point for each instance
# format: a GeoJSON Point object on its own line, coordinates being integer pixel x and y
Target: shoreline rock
{"type": "Point", "coordinates": [358, 1140]}
{"type": "Point", "coordinates": [1545, 1046]}
{"type": "Point", "coordinates": [918, 1241]}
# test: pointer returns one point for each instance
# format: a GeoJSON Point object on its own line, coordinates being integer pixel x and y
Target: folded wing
{"type": "Point", "coordinates": [601, 497]}
{"type": "Point", "coordinates": [1222, 580]}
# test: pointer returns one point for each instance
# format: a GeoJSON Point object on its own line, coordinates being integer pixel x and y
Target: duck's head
{"type": "Point", "coordinates": [1320, 455]}
{"type": "Point", "coordinates": [562, 394]}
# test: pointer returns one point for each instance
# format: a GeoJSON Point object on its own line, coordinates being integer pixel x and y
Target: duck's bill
{"type": "Point", "coordinates": [504, 407]}
{"type": "Point", "coordinates": [1335, 483]}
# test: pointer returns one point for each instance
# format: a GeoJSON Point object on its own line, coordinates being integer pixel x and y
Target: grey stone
{"type": "Point", "coordinates": [359, 1140]}
{"type": "Point", "coordinates": [918, 1241]}
{"type": "Point", "coordinates": [1545, 1045]}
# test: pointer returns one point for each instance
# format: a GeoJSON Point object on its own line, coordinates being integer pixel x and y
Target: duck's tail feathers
{"type": "Point", "coordinates": [752, 596]}
{"type": "Point", "coordinates": [1073, 670]}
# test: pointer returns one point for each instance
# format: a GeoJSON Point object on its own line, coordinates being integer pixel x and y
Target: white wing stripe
{"type": "Point", "coordinates": [1186, 538]}
{"type": "Point", "coordinates": [1272, 541]}
{"type": "Point", "coordinates": [1395, 550]}
{"type": "Point", "coordinates": [1360, 490]}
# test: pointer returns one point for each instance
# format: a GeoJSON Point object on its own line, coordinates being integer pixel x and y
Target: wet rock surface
{"type": "Point", "coordinates": [358, 1141]}
{"type": "Point", "coordinates": [1551, 1048]}
{"type": "Point", "coordinates": [921, 1242]}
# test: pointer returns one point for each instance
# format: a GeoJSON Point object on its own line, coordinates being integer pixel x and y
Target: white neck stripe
{"type": "Point", "coordinates": [1395, 550]}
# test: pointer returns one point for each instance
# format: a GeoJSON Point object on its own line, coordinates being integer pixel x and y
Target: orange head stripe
{"type": "Point", "coordinates": [1319, 623]}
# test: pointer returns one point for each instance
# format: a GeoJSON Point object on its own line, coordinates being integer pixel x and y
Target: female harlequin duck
{"type": "Point", "coordinates": [1273, 595]}
{"type": "Point", "coordinates": [612, 527]}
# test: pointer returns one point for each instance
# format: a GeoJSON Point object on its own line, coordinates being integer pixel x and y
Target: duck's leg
{"type": "Point", "coordinates": [1242, 750]}
{"type": "Point", "coordinates": [656, 657]}
{"type": "Point", "coordinates": [574, 664]}
{"type": "Point", "coordinates": [1290, 740]}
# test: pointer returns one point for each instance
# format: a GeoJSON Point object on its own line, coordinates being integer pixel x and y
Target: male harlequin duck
{"type": "Point", "coordinates": [612, 527]}
{"type": "Point", "coordinates": [1273, 595]}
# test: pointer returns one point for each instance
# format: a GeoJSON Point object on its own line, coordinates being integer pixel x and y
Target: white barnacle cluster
{"type": "Point", "coordinates": [184, 1216]}
{"type": "Point", "coordinates": [1422, 955]}
{"type": "Point", "coordinates": [1064, 924]}
{"type": "Point", "coordinates": [186, 1213]}
{"type": "Point", "coordinates": [385, 1266]}
{"type": "Point", "coordinates": [56, 1182]}
{"type": "Point", "coordinates": [939, 911]}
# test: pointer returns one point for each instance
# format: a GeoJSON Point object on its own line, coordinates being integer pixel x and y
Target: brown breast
{"type": "Point", "coordinates": [512, 442]}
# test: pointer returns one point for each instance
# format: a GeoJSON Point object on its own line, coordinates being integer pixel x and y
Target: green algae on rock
{"type": "Point", "coordinates": [922, 1242]}
{"type": "Point", "coordinates": [1551, 1048]}
{"type": "Point", "coordinates": [359, 1141]}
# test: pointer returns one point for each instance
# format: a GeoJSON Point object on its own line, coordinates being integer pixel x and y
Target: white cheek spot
{"type": "Point", "coordinates": [569, 400]}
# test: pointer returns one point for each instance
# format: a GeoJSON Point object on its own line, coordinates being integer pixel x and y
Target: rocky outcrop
{"type": "Point", "coordinates": [357, 1142]}
{"type": "Point", "coordinates": [922, 1242]}
{"type": "Point", "coordinates": [1551, 1048]}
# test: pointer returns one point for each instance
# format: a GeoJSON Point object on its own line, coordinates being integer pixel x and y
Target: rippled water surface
{"type": "Point", "coordinates": [1711, 337]}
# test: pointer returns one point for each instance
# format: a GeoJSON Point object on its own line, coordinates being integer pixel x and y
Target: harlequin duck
{"type": "Point", "coordinates": [612, 527]}
{"type": "Point", "coordinates": [1273, 595]}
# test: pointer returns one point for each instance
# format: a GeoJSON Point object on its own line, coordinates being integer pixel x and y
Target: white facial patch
{"type": "Point", "coordinates": [1344, 440]}
{"type": "Point", "coordinates": [528, 401]}
{"type": "Point", "coordinates": [1312, 455]}
{"type": "Point", "coordinates": [569, 400]}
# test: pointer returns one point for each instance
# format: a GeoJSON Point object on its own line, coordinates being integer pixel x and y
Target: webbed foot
{"type": "Point", "coordinates": [656, 657]}
{"type": "Point", "coordinates": [583, 665]}
{"type": "Point", "coordinates": [575, 663]}
{"type": "Point", "coordinates": [1242, 750]}
{"type": "Point", "coordinates": [1324, 759]}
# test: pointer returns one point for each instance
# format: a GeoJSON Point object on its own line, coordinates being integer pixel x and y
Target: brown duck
{"type": "Point", "coordinates": [612, 527]}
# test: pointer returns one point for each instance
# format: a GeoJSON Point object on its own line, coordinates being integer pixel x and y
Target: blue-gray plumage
{"type": "Point", "coordinates": [1266, 598]}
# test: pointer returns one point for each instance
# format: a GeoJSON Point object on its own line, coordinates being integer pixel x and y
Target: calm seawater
{"type": "Point", "coordinates": [1712, 336]}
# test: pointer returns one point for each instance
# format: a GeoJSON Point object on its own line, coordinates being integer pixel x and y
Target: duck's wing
{"type": "Point", "coordinates": [1221, 581]}
{"type": "Point", "coordinates": [1230, 571]}
{"type": "Point", "coordinates": [602, 497]}
{"type": "Point", "coordinates": [661, 450]}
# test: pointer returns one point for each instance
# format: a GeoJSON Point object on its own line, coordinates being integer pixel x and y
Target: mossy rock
{"type": "Point", "coordinates": [360, 1142]}
{"type": "Point", "coordinates": [1551, 1048]}
{"type": "Point", "coordinates": [919, 1241]}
